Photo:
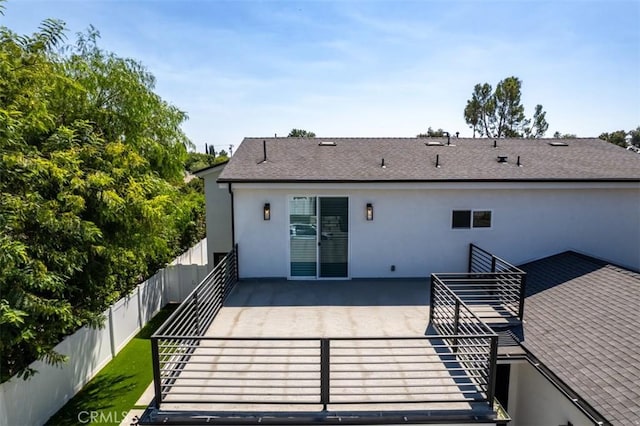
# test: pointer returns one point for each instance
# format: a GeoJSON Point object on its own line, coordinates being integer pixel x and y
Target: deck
{"type": "Point", "coordinates": [367, 349]}
{"type": "Point", "coordinates": [297, 314]}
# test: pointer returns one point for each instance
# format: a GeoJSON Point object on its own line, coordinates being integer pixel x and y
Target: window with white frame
{"type": "Point", "coordinates": [467, 219]}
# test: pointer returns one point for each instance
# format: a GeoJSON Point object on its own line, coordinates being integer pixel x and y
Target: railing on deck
{"type": "Point", "coordinates": [191, 320]}
{"type": "Point", "coordinates": [492, 283]}
{"type": "Point", "coordinates": [386, 370]}
{"type": "Point", "coordinates": [455, 365]}
{"type": "Point", "coordinates": [475, 342]}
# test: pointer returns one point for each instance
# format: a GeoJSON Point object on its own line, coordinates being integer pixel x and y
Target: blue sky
{"type": "Point", "coordinates": [366, 68]}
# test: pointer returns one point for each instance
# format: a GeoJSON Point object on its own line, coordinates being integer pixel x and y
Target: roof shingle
{"type": "Point", "coordinates": [581, 320]}
{"type": "Point", "coordinates": [410, 159]}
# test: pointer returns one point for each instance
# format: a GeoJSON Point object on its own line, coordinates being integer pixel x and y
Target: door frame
{"type": "Point", "coordinates": [318, 235]}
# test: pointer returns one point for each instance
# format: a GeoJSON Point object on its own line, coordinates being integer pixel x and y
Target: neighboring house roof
{"type": "Point", "coordinates": [412, 160]}
{"type": "Point", "coordinates": [210, 169]}
{"type": "Point", "coordinates": [581, 321]}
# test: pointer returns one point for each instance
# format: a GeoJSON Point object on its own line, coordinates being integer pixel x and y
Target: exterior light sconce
{"type": "Point", "coordinates": [266, 211]}
{"type": "Point", "coordinates": [369, 214]}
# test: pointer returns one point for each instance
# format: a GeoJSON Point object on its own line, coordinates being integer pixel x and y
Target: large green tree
{"type": "Point", "coordinates": [92, 198]}
{"type": "Point", "coordinates": [500, 113]}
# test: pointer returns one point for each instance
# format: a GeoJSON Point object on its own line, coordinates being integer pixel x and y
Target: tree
{"type": "Point", "coordinates": [432, 133]}
{"type": "Point", "coordinates": [635, 137]}
{"type": "Point", "coordinates": [619, 137]}
{"type": "Point", "coordinates": [197, 160]}
{"type": "Point", "coordinates": [92, 198]}
{"type": "Point", "coordinates": [300, 133]}
{"type": "Point", "coordinates": [500, 113]}
{"type": "Point", "coordinates": [559, 135]}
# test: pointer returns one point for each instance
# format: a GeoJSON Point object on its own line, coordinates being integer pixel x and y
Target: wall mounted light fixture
{"type": "Point", "coordinates": [266, 211]}
{"type": "Point", "coordinates": [369, 214]}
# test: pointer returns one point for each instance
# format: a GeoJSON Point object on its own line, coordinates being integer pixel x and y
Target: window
{"type": "Point", "coordinates": [466, 219]}
{"type": "Point", "coordinates": [461, 219]}
{"type": "Point", "coordinates": [482, 219]}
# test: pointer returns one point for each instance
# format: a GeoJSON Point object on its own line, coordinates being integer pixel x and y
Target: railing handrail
{"type": "Point", "coordinates": [462, 304]}
{"type": "Point", "coordinates": [475, 363]}
{"type": "Point", "coordinates": [205, 281]}
{"type": "Point", "coordinates": [474, 248]}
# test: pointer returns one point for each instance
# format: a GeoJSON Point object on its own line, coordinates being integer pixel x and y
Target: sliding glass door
{"type": "Point", "coordinates": [319, 237]}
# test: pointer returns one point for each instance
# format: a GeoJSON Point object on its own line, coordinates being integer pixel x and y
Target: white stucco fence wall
{"type": "Point", "coordinates": [412, 224]}
{"type": "Point", "coordinates": [34, 401]}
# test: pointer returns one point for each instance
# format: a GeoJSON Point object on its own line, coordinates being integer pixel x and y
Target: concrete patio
{"type": "Point", "coordinates": [374, 371]}
{"type": "Point", "coordinates": [353, 308]}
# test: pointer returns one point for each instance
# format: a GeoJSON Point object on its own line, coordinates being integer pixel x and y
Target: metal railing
{"type": "Point", "coordinates": [395, 370]}
{"type": "Point", "coordinates": [491, 284]}
{"type": "Point", "coordinates": [191, 321]}
{"type": "Point", "coordinates": [465, 332]}
{"type": "Point", "coordinates": [457, 364]}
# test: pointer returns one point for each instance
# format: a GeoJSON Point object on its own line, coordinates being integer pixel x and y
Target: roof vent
{"type": "Point", "coordinates": [558, 143]}
{"type": "Point", "coordinates": [434, 143]}
{"type": "Point", "coordinates": [327, 143]}
{"type": "Point", "coordinates": [502, 158]}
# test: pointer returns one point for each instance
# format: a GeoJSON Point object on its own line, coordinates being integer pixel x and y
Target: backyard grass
{"type": "Point", "coordinates": [116, 388]}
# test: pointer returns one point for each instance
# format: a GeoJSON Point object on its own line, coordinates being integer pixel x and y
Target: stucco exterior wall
{"type": "Point", "coordinates": [218, 205]}
{"type": "Point", "coordinates": [533, 400]}
{"type": "Point", "coordinates": [412, 224]}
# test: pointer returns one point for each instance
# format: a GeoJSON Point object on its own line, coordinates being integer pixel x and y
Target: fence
{"type": "Point", "coordinates": [35, 400]}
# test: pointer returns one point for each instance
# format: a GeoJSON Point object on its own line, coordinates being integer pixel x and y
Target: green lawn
{"type": "Point", "coordinates": [117, 387]}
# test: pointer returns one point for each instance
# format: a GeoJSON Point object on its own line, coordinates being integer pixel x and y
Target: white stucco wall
{"type": "Point", "coordinates": [218, 205]}
{"type": "Point", "coordinates": [412, 224]}
{"type": "Point", "coordinates": [534, 401]}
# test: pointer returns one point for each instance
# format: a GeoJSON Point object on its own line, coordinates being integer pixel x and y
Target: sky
{"type": "Point", "coordinates": [366, 67]}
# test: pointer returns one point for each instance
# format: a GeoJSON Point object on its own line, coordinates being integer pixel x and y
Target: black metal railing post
{"type": "Point", "coordinates": [493, 263]}
{"type": "Point", "coordinates": [157, 380]}
{"type": "Point", "coordinates": [523, 286]}
{"type": "Point", "coordinates": [325, 365]}
{"type": "Point", "coordinates": [431, 300]}
{"type": "Point", "coordinates": [236, 262]}
{"type": "Point", "coordinates": [491, 388]}
{"type": "Point", "coordinates": [470, 257]}
{"type": "Point", "coordinates": [456, 325]}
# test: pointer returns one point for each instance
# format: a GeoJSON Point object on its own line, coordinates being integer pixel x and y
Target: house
{"type": "Point", "coordinates": [407, 207]}
{"type": "Point", "coordinates": [553, 341]}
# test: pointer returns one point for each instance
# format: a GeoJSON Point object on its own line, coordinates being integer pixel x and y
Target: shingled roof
{"type": "Point", "coordinates": [581, 321]}
{"type": "Point", "coordinates": [414, 160]}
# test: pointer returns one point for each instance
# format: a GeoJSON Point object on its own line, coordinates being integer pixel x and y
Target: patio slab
{"type": "Point", "coordinates": [353, 308]}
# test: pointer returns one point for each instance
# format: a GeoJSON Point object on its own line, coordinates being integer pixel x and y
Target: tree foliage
{"type": "Point", "coordinates": [500, 113]}
{"type": "Point", "coordinates": [440, 133]}
{"type": "Point", "coordinates": [619, 137]}
{"type": "Point", "coordinates": [559, 135]}
{"type": "Point", "coordinates": [635, 137]}
{"type": "Point", "coordinates": [197, 160]}
{"type": "Point", "coordinates": [300, 133]}
{"type": "Point", "coordinates": [92, 198]}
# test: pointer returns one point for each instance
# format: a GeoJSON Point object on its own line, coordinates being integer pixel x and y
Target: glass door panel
{"type": "Point", "coordinates": [334, 237]}
{"type": "Point", "coordinates": [303, 240]}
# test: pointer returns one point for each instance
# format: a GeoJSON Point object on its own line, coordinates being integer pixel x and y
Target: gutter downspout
{"type": "Point", "coordinates": [233, 218]}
